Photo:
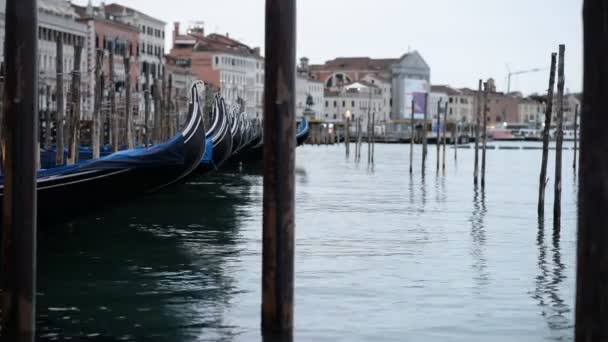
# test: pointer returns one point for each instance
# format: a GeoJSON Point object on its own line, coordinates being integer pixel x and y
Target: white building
{"type": "Point", "coordinates": [308, 89]}
{"type": "Point", "coordinates": [361, 99]}
{"type": "Point", "coordinates": [383, 116]}
{"type": "Point", "coordinates": [56, 18]}
{"type": "Point", "coordinates": [151, 38]}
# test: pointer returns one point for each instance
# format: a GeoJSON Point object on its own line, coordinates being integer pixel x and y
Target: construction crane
{"type": "Point", "coordinates": [513, 73]}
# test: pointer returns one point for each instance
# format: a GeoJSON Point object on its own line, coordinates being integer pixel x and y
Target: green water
{"type": "Point", "coordinates": [380, 255]}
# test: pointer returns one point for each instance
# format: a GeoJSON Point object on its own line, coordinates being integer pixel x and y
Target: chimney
{"type": "Point", "coordinates": [256, 51]}
{"type": "Point", "coordinates": [175, 31]}
{"type": "Point", "coordinates": [227, 35]}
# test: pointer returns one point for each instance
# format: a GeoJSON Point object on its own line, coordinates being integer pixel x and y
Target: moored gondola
{"type": "Point", "coordinates": [219, 137]}
{"type": "Point", "coordinates": [68, 191]}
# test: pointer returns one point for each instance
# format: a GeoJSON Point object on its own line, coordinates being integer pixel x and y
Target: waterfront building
{"type": "Point", "coordinates": [225, 64]}
{"type": "Point", "coordinates": [57, 19]}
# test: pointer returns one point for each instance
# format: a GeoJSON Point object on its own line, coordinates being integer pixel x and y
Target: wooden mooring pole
{"type": "Point", "coordinates": [96, 137]}
{"type": "Point", "coordinates": [59, 117]}
{"type": "Point", "coordinates": [445, 124]}
{"type": "Point", "coordinates": [557, 202]}
{"type": "Point", "coordinates": [75, 107]}
{"type": "Point", "coordinates": [592, 284]}
{"type": "Point", "coordinates": [576, 110]}
{"type": "Point", "coordinates": [485, 134]}
{"type": "Point", "coordinates": [20, 127]}
{"type": "Point", "coordinates": [128, 109]}
{"type": "Point", "coordinates": [373, 135]}
{"type": "Point", "coordinates": [477, 128]}
{"type": "Point", "coordinates": [438, 125]}
{"type": "Point", "coordinates": [346, 136]}
{"type": "Point", "coordinates": [412, 128]}
{"type": "Point", "coordinates": [279, 169]}
{"type": "Point", "coordinates": [542, 182]}
{"type": "Point", "coordinates": [425, 137]}
{"type": "Point", "coordinates": [147, 103]}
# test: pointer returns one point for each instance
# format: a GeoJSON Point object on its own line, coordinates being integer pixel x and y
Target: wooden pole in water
{"type": "Point", "coordinates": [147, 103]}
{"type": "Point", "coordinates": [445, 124]}
{"type": "Point", "coordinates": [128, 109]}
{"type": "Point", "coordinates": [369, 142]}
{"type": "Point", "coordinates": [591, 284]}
{"type": "Point", "coordinates": [425, 136]}
{"type": "Point", "coordinates": [170, 131]}
{"type": "Point", "coordinates": [373, 134]}
{"type": "Point", "coordinates": [576, 109]}
{"type": "Point", "coordinates": [485, 134]}
{"type": "Point", "coordinates": [543, 167]}
{"type": "Point", "coordinates": [97, 123]}
{"type": "Point", "coordinates": [279, 168]}
{"type": "Point", "coordinates": [455, 134]}
{"type": "Point", "coordinates": [75, 107]}
{"type": "Point", "coordinates": [59, 139]}
{"type": "Point", "coordinates": [346, 137]}
{"type": "Point", "coordinates": [157, 111]}
{"type": "Point", "coordinates": [477, 128]}
{"type": "Point", "coordinates": [113, 115]}
{"type": "Point", "coordinates": [557, 203]}
{"type": "Point", "coordinates": [47, 118]}
{"type": "Point", "coordinates": [20, 126]}
{"type": "Point", "coordinates": [163, 113]}
{"type": "Point", "coordinates": [412, 128]}
{"type": "Point", "coordinates": [438, 125]}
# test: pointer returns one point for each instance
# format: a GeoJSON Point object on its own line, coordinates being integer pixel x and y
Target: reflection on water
{"type": "Point", "coordinates": [157, 275]}
{"type": "Point", "coordinates": [478, 235]}
{"type": "Point", "coordinates": [381, 255]}
{"type": "Point", "coordinates": [548, 284]}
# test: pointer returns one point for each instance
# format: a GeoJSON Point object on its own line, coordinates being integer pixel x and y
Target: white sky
{"type": "Point", "coordinates": [462, 40]}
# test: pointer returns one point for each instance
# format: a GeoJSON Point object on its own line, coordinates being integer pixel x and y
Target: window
{"type": "Point", "coordinates": [143, 28]}
{"type": "Point", "coordinates": [217, 60]}
{"type": "Point", "coordinates": [335, 105]}
{"type": "Point", "coordinates": [326, 105]}
{"type": "Point", "coordinates": [451, 100]}
{"type": "Point", "coordinates": [353, 104]}
{"type": "Point", "coordinates": [343, 103]}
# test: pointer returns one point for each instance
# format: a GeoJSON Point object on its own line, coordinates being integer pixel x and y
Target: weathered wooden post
{"type": "Point", "coordinates": [369, 142]}
{"type": "Point", "coordinates": [445, 124]}
{"type": "Point", "coordinates": [20, 126]}
{"type": "Point", "coordinates": [147, 103]}
{"type": "Point", "coordinates": [485, 134]}
{"type": "Point", "coordinates": [477, 128]}
{"type": "Point", "coordinates": [113, 115]}
{"type": "Point", "coordinates": [128, 109]}
{"type": "Point", "coordinates": [97, 123]}
{"type": "Point", "coordinates": [163, 113]}
{"type": "Point", "coordinates": [543, 167]}
{"type": "Point", "coordinates": [279, 168]}
{"type": "Point", "coordinates": [157, 111]}
{"type": "Point", "coordinates": [412, 128]}
{"type": "Point", "coordinates": [168, 108]}
{"type": "Point", "coordinates": [425, 136]}
{"type": "Point", "coordinates": [438, 125]}
{"type": "Point", "coordinates": [591, 284]}
{"type": "Point", "coordinates": [47, 118]}
{"type": "Point", "coordinates": [576, 109]}
{"type": "Point", "coordinates": [346, 135]}
{"type": "Point", "coordinates": [373, 134]}
{"type": "Point", "coordinates": [557, 203]}
{"type": "Point", "coordinates": [359, 137]}
{"type": "Point", "coordinates": [75, 107]}
{"type": "Point", "coordinates": [59, 117]}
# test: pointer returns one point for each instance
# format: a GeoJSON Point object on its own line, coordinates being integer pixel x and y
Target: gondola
{"type": "Point", "coordinates": [254, 152]}
{"type": "Point", "coordinates": [68, 191]}
{"type": "Point", "coordinates": [218, 137]}
{"type": "Point", "coordinates": [236, 130]}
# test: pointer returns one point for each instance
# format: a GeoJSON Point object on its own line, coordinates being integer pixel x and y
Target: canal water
{"type": "Point", "coordinates": [381, 255]}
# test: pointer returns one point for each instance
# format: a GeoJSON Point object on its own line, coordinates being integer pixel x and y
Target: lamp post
{"type": "Point", "coordinates": [347, 115]}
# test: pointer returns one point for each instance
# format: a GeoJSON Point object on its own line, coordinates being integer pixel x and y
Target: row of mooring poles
{"type": "Point", "coordinates": [279, 169]}
{"type": "Point", "coordinates": [20, 136]}
{"type": "Point", "coordinates": [591, 286]}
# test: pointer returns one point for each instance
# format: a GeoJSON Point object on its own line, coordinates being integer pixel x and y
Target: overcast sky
{"type": "Point", "coordinates": [461, 41]}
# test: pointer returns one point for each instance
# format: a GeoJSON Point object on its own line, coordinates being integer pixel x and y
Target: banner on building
{"type": "Point", "coordinates": [416, 90]}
